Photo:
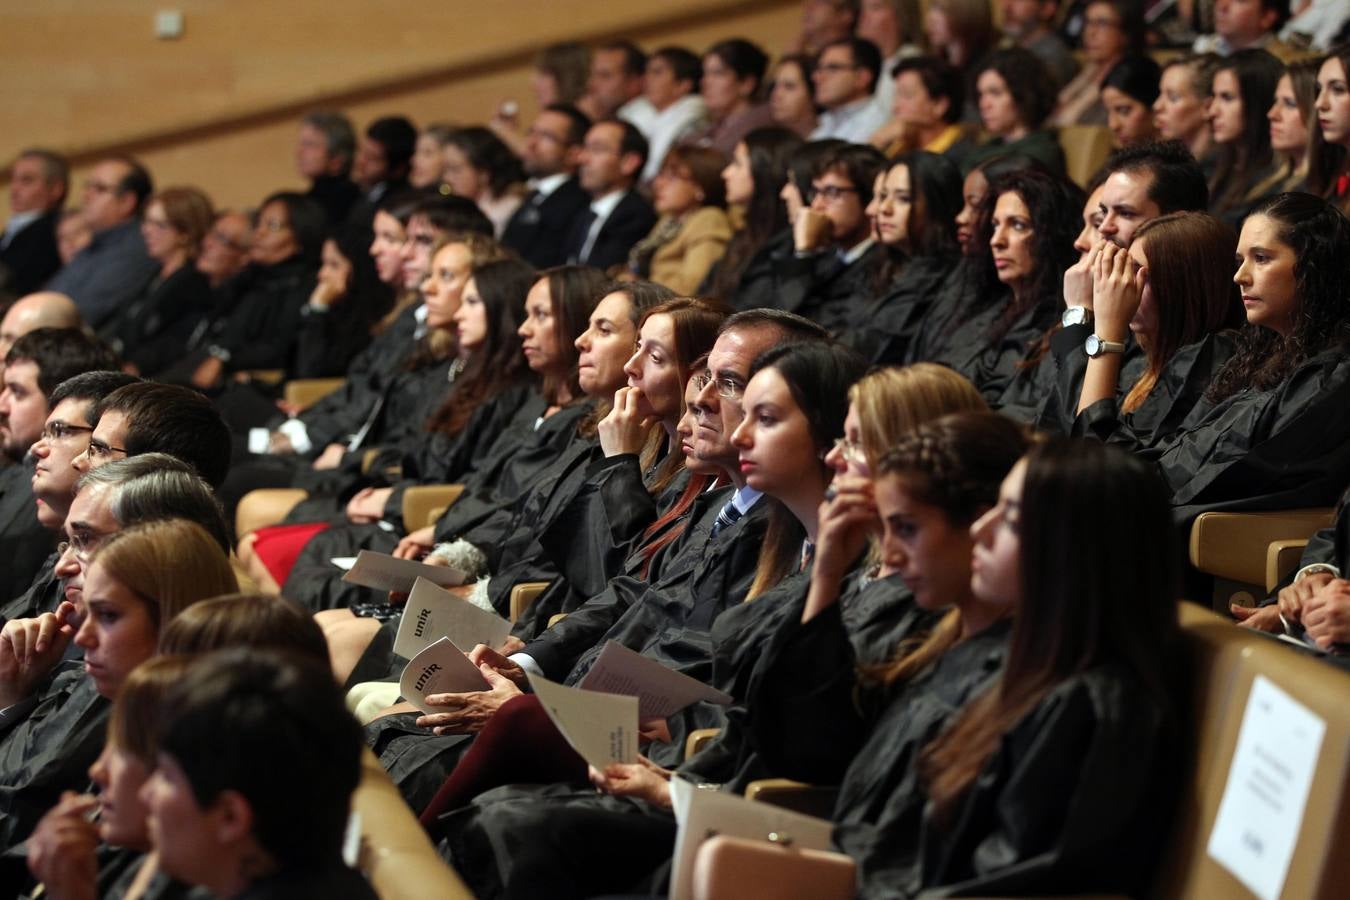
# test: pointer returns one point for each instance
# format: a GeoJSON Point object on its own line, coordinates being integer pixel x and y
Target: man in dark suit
{"type": "Point", "coordinates": [28, 252]}
{"type": "Point", "coordinates": [539, 228]}
{"type": "Point", "coordinates": [611, 160]}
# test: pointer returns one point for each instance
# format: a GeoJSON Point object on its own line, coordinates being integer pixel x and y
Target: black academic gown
{"type": "Point", "coordinates": [50, 750]}
{"type": "Point", "coordinates": [825, 289]}
{"type": "Point", "coordinates": [152, 329]}
{"type": "Point", "coordinates": [991, 360]}
{"type": "Point", "coordinates": [884, 328]}
{"type": "Point", "coordinates": [756, 289]}
{"type": "Point", "coordinates": [24, 543]}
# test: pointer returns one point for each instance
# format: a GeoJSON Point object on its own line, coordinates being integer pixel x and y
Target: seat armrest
{"type": "Point", "coordinates": [1281, 559]}
{"type": "Point", "coordinates": [698, 739]}
{"type": "Point", "coordinates": [1233, 545]}
{"type": "Point", "coordinates": [813, 800]}
{"type": "Point", "coordinates": [424, 504]}
{"type": "Point", "coordinates": [305, 392]}
{"type": "Point", "coordinates": [523, 594]}
{"type": "Point", "coordinates": [265, 507]}
{"type": "Point", "coordinates": [727, 867]}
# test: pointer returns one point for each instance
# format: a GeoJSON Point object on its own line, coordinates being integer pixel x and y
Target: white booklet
{"type": "Point", "coordinates": [602, 728]}
{"type": "Point", "coordinates": [703, 814]}
{"type": "Point", "coordinates": [661, 691]}
{"type": "Point", "coordinates": [389, 573]}
{"type": "Point", "coordinates": [441, 668]}
{"type": "Point", "coordinates": [433, 613]}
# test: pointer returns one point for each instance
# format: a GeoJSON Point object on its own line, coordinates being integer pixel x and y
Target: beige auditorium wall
{"type": "Point", "coordinates": [217, 107]}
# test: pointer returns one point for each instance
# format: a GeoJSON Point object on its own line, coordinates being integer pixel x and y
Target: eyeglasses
{"type": "Point", "coordinates": [221, 237]}
{"type": "Point", "coordinates": [59, 431]}
{"type": "Point", "coordinates": [835, 67]}
{"type": "Point", "coordinates": [101, 452]}
{"type": "Point", "coordinates": [850, 450]}
{"type": "Point", "coordinates": [275, 226]}
{"type": "Point", "coordinates": [101, 187]}
{"type": "Point", "coordinates": [727, 386]}
{"type": "Point", "coordinates": [82, 543]}
{"type": "Point", "coordinates": [831, 192]}
{"type": "Point", "coordinates": [157, 224]}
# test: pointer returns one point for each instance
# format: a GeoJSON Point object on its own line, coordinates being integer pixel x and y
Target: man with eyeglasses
{"type": "Point", "coordinates": [828, 278]}
{"type": "Point", "coordinates": [225, 248]}
{"type": "Point", "coordinates": [552, 153]}
{"type": "Point", "coordinates": [35, 367]}
{"type": "Point", "coordinates": [114, 267]}
{"type": "Point", "coordinates": [845, 78]}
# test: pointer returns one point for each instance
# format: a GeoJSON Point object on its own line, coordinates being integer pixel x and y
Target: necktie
{"type": "Point", "coordinates": [725, 518]}
{"type": "Point", "coordinates": [589, 236]}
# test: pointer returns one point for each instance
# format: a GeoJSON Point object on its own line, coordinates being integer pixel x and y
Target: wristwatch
{"type": "Point", "coordinates": [1095, 346]}
{"type": "Point", "coordinates": [1076, 315]}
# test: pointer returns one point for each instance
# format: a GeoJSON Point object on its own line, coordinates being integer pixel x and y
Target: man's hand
{"type": "Point", "coordinates": [1293, 599]}
{"type": "Point", "coordinates": [468, 713]}
{"type": "Point", "coordinates": [330, 458]}
{"type": "Point", "coordinates": [811, 231]}
{"type": "Point", "coordinates": [1326, 617]}
{"type": "Point", "coordinates": [208, 373]}
{"type": "Point", "coordinates": [368, 505]}
{"type": "Point", "coordinates": [29, 648]}
{"type": "Point", "coordinates": [1258, 618]}
{"type": "Point", "coordinates": [483, 655]}
{"type": "Point", "coordinates": [419, 544]}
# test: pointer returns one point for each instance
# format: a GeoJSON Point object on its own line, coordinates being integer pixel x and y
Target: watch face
{"type": "Point", "coordinates": [1093, 345]}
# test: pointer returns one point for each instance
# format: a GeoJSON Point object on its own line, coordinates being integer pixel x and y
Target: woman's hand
{"type": "Point", "coordinates": [847, 517]}
{"type": "Point", "coordinates": [208, 374]}
{"type": "Point", "coordinates": [643, 779]}
{"type": "Point", "coordinates": [61, 849]}
{"type": "Point", "coordinates": [1115, 292]}
{"type": "Point", "coordinates": [622, 431]}
{"type": "Point", "coordinates": [467, 713]}
{"type": "Point", "coordinates": [1078, 279]}
{"type": "Point", "coordinates": [368, 505]}
{"type": "Point", "coordinates": [417, 545]}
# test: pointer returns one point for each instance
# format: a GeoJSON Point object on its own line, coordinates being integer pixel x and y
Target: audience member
{"type": "Point", "coordinates": [1014, 95]}
{"type": "Point", "coordinates": [1112, 30]}
{"type": "Point", "coordinates": [427, 167]}
{"type": "Point", "coordinates": [324, 150]}
{"type": "Point", "coordinates": [733, 75]}
{"type": "Point", "coordinates": [38, 183]}
{"type": "Point", "coordinates": [1181, 109]}
{"type": "Point", "coordinates": [1245, 25]}
{"type": "Point", "coordinates": [611, 158]}
{"type": "Point", "coordinates": [1244, 89]}
{"type": "Point", "coordinates": [615, 79]}
{"type": "Point", "coordinates": [670, 108]}
{"type": "Point", "coordinates": [961, 31]}
{"type": "Point", "coordinates": [845, 78]}
{"type": "Point", "coordinates": [1329, 162]}
{"type": "Point", "coordinates": [480, 167]}
{"type": "Point", "coordinates": [792, 94]}
{"type": "Point", "coordinates": [823, 23]}
{"type": "Point", "coordinates": [45, 309]}
{"type": "Point", "coordinates": [893, 25]}
{"type": "Point", "coordinates": [34, 368]}
{"type": "Point", "coordinates": [73, 234]}
{"type": "Point", "coordinates": [149, 330]}
{"type": "Point", "coordinates": [383, 158]}
{"type": "Point", "coordinates": [348, 302]}
{"type": "Point", "coordinates": [225, 248]}
{"type": "Point", "coordinates": [1315, 24]}
{"type": "Point", "coordinates": [114, 267]}
{"type": "Point", "coordinates": [1293, 118]}
{"type": "Point", "coordinates": [1129, 93]}
{"type": "Point", "coordinates": [1030, 24]}
{"type": "Point", "coordinates": [930, 97]}
{"type": "Point", "coordinates": [693, 229]}
{"type": "Point", "coordinates": [538, 228]}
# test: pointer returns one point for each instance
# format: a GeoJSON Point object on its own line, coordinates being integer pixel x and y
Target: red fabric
{"type": "Point", "coordinates": [519, 745]}
{"type": "Point", "coordinates": [279, 546]}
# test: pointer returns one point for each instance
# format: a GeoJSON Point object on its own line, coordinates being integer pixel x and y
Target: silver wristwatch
{"type": "Point", "coordinates": [1095, 346]}
{"type": "Point", "coordinates": [1076, 315]}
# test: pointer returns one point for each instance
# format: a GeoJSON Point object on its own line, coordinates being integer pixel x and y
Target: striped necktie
{"type": "Point", "coordinates": [728, 516]}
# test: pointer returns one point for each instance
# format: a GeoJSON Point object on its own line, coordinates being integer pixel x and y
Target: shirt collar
{"type": "Point", "coordinates": [546, 185]}
{"type": "Point", "coordinates": [22, 220]}
{"type": "Point", "coordinates": [745, 498]}
{"type": "Point", "coordinates": [852, 255]}
{"type": "Point", "coordinates": [603, 206]}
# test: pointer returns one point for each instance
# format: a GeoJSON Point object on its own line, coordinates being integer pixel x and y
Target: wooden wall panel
{"type": "Point", "coordinates": [217, 108]}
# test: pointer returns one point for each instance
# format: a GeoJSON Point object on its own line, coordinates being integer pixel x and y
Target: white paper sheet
{"type": "Point", "coordinates": [389, 573]}
{"type": "Point", "coordinates": [703, 814]}
{"type": "Point", "coordinates": [602, 728]}
{"type": "Point", "coordinates": [1261, 812]}
{"type": "Point", "coordinates": [432, 613]}
{"type": "Point", "coordinates": [441, 668]}
{"type": "Point", "coordinates": [662, 692]}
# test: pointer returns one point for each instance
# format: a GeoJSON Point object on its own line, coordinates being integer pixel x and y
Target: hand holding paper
{"type": "Point", "coordinates": [440, 668]}
{"type": "Point", "coordinates": [662, 692]}
{"type": "Point", "coordinates": [387, 573]}
{"type": "Point", "coordinates": [433, 613]}
{"type": "Point", "coordinates": [602, 728]}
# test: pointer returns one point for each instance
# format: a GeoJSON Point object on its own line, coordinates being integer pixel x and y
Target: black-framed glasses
{"type": "Point", "coordinates": [727, 386]}
{"type": "Point", "coordinates": [831, 192]}
{"type": "Point", "coordinates": [101, 452]}
{"type": "Point", "coordinates": [59, 431]}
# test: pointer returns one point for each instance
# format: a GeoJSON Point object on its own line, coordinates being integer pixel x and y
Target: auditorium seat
{"type": "Point", "coordinates": [1235, 547]}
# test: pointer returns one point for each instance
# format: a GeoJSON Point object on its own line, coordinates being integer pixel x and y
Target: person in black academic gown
{"type": "Point", "coordinates": [914, 207]}
{"type": "Point", "coordinates": [263, 739]}
{"type": "Point", "coordinates": [1002, 304]}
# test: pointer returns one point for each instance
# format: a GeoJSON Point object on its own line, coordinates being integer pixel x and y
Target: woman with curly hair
{"type": "Point", "coordinates": [1013, 91]}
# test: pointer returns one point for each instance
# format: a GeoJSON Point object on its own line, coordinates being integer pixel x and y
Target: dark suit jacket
{"type": "Point", "coordinates": [538, 231]}
{"type": "Point", "coordinates": [31, 256]}
{"type": "Point", "coordinates": [628, 224]}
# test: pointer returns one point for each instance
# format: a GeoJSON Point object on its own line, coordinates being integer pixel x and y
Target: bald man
{"type": "Point", "coordinates": [45, 309]}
